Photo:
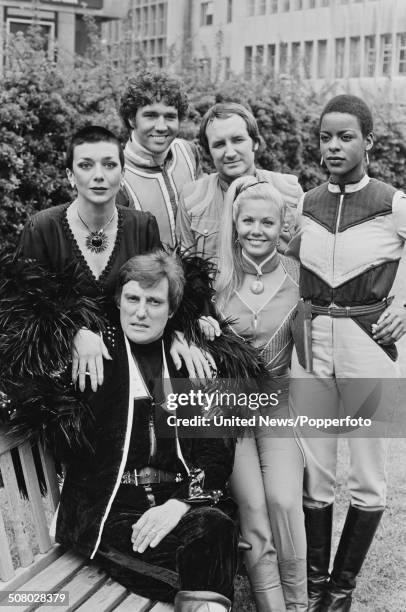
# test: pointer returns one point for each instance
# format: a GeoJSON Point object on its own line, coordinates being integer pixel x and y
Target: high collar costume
{"type": "Point", "coordinates": [153, 183]}
{"type": "Point", "coordinates": [352, 239]}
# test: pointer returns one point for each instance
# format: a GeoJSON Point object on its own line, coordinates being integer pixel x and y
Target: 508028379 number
{"type": "Point", "coordinates": [16, 598]}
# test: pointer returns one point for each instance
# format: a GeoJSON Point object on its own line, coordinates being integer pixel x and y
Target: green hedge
{"type": "Point", "coordinates": [43, 102]}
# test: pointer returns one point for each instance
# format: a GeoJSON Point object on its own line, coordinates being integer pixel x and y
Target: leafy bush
{"type": "Point", "coordinates": [43, 101]}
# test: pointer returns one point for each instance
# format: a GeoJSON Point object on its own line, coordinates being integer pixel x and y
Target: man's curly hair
{"type": "Point", "coordinates": [150, 87]}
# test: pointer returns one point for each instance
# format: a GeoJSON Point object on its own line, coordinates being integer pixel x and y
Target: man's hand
{"type": "Point", "coordinates": [199, 365]}
{"type": "Point", "coordinates": [156, 523]}
{"type": "Point", "coordinates": [210, 327]}
{"type": "Point", "coordinates": [391, 325]}
{"type": "Point", "coordinates": [88, 351]}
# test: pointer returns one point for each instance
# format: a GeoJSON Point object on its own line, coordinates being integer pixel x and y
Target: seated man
{"type": "Point", "coordinates": [129, 499]}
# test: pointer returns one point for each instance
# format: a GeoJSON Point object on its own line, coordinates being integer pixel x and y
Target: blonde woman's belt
{"type": "Point", "coordinates": [149, 475]}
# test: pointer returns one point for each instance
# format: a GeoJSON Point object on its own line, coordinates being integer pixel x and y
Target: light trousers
{"type": "Point", "coordinates": [352, 376]}
{"type": "Point", "coordinates": [267, 484]}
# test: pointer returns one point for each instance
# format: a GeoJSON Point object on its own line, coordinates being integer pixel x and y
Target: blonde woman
{"type": "Point", "coordinates": [258, 289]}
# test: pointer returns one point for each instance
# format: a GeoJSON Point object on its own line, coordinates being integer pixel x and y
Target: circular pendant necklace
{"type": "Point", "coordinates": [96, 240]}
{"type": "Point", "coordinates": [257, 286]}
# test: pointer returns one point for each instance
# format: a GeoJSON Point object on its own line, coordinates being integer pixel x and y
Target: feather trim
{"type": "Point", "coordinates": [49, 410]}
{"type": "Point", "coordinates": [40, 313]}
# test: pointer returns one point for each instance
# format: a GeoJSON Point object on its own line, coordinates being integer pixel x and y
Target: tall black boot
{"type": "Point", "coordinates": [318, 523]}
{"type": "Point", "coordinates": [357, 535]}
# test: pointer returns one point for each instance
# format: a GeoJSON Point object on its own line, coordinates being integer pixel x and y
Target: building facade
{"type": "Point", "coordinates": [359, 44]}
{"type": "Point", "coordinates": [61, 21]}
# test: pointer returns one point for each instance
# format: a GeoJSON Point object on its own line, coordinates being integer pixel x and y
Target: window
{"type": "Point", "coordinates": [161, 19]}
{"type": "Point", "coordinates": [386, 50]}
{"type": "Point", "coordinates": [206, 13]}
{"type": "Point", "coordinates": [261, 7]}
{"type": "Point", "coordinates": [283, 58]}
{"type": "Point", "coordinates": [324, 2]}
{"type": "Point", "coordinates": [295, 56]}
{"type": "Point", "coordinates": [370, 56]}
{"type": "Point", "coordinates": [251, 8]}
{"type": "Point", "coordinates": [297, 5]}
{"type": "Point", "coordinates": [23, 25]}
{"type": "Point", "coordinates": [144, 22]}
{"type": "Point", "coordinates": [136, 24]}
{"type": "Point", "coordinates": [227, 67]}
{"type": "Point", "coordinates": [285, 5]}
{"type": "Point", "coordinates": [321, 59]}
{"type": "Point", "coordinates": [273, 8]}
{"type": "Point", "coordinates": [248, 62]}
{"type": "Point", "coordinates": [205, 67]}
{"type": "Point", "coordinates": [355, 55]}
{"type": "Point", "coordinates": [271, 59]}
{"type": "Point", "coordinates": [340, 58]}
{"type": "Point", "coordinates": [308, 59]}
{"type": "Point", "coordinates": [402, 53]}
{"type": "Point", "coordinates": [152, 26]}
{"type": "Point", "coordinates": [312, 4]}
{"type": "Point", "coordinates": [259, 59]}
{"type": "Point", "coordinates": [229, 11]}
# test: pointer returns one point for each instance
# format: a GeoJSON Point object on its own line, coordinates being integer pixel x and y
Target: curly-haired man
{"type": "Point", "coordinates": [157, 163]}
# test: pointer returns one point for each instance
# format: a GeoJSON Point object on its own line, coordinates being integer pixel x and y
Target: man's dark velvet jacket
{"type": "Point", "coordinates": [92, 476]}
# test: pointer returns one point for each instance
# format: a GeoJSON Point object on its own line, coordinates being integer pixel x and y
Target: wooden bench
{"type": "Point", "coordinates": [29, 559]}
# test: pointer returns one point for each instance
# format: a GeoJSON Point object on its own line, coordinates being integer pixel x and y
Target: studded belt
{"type": "Point", "coordinates": [149, 475]}
{"type": "Point", "coordinates": [349, 311]}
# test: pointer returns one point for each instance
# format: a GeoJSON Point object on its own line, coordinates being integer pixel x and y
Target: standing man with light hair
{"type": "Point", "coordinates": [157, 163]}
{"type": "Point", "coordinates": [229, 133]}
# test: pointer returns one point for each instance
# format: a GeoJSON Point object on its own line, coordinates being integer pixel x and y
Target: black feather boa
{"type": "Point", "coordinates": [52, 411]}
{"type": "Point", "coordinates": [40, 313]}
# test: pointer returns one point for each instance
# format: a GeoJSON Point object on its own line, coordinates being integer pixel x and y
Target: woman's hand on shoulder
{"type": "Point", "coordinates": [88, 351]}
{"type": "Point", "coordinates": [210, 327]}
{"type": "Point", "coordinates": [199, 364]}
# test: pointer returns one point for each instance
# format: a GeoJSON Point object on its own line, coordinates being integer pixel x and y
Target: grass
{"type": "Point", "coordinates": [382, 583]}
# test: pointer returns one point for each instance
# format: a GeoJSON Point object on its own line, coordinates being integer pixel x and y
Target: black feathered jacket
{"type": "Point", "coordinates": [93, 476]}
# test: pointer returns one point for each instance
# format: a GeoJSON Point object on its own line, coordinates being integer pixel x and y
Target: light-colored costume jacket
{"type": "Point", "coordinates": [200, 208]}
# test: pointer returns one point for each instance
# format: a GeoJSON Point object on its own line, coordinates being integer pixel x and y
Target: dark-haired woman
{"type": "Point", "coordinates": [353, 260]}
{"type": "Point", "coordinates": [99, 237]}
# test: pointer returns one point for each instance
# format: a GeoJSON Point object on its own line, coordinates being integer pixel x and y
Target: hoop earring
{"type": "Point", "coordinates": [367, 158]}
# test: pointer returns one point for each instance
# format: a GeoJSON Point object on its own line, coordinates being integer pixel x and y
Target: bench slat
{"type": "Point", "coordinates": [82, 586]}
{"type": "Point", "coordinates": [34, 495]}
{"type": "Point", "coordinates": [162, 607]}
{"type": "Point", "coordinates": [134, 603]}
{"type": "Point", "coordinates": [17, 516]}
{"type": "Point", "coordinates": [51, 477]}
{"type": "Point", "coordinates": [6, 562]}
{"type": "Point", "coordinates": [105, 599]}
{"type": "Point", "coordinates": [23, 574]}
{"type": "Point", "coordinates": [53, 577]}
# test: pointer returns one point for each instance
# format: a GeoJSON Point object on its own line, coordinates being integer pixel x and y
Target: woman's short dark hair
{"type": "Point", "coordinates": [149, 269]}
{"type": "Point", "coordinates": [353, 105]}
{"type": "Point", "coordinates": [92, 133]}
{"type": "Point", "coordinates": [224, 110]}
{"type": "Point", "coordinates": [150, 87]}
